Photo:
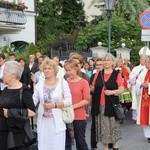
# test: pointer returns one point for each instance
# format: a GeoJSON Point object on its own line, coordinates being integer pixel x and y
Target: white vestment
{"type": "Point", "coordinates": [139, 90]}
{"type": "Point", "coordinates": [132, 81]}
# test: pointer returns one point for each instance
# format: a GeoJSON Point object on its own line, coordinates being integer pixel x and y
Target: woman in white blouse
{"type": "Point", "coordinates": [51, 98]}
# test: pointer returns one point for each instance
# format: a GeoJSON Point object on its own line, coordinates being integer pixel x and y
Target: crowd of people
{"type": "Point", "coordinates": [47, 85]}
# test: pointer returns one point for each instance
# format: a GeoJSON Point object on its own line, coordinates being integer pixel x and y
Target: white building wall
{"type": "Point", "coordinates": [30, 4]}
{"type": "Point", "coordinates": [123, 53]}
{"type": "Point", "coordinates": [90, 11]}
{"type": "Point", "coordinates": [27, 33]}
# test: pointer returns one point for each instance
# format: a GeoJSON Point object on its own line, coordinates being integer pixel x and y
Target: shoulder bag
{"type": "Point", "coordinates": [67, 112]}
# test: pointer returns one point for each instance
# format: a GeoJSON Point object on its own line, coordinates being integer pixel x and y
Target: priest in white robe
{"type": "Point", "coordinates": [132, 81]}
{"type": "Point", "coordinates": [143, 92]}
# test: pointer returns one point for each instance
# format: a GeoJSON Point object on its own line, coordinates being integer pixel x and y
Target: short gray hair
{"type": "Point", "coordinates": [14, 67]}
{"type": "Point", "coordinates": [110, 56]}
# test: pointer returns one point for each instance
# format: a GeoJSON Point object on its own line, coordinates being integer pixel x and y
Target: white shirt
{"type": "Point", "coordinates": [2, 85]}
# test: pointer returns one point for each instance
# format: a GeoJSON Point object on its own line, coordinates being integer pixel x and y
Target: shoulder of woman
{"type": "Point", "coordinates": [40, 83]}
{"type": "Point", "coordinates": [84, 81]}
{"type": "Point", "coordinates": [63, 81]}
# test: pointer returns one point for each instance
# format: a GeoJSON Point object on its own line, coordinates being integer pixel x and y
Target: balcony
{"type": "Point", "coordinates": [15, 17]}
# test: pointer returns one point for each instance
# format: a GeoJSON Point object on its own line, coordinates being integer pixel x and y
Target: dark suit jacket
{"type": "Point", "coordinates": [34, 68]}
{"type": "Point", "coordinates": [26, 76]}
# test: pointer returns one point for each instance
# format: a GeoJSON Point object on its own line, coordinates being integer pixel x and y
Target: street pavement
{"type": "Point", "coordinates": [132, 136]}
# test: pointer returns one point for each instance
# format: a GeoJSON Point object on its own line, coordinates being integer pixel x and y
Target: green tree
{"type": "Point", "coordinates": [57, 17]}
{"type": "Point", "coordinates": [128, 32]}
{"type": "Point", "coordinates": [122, 31]}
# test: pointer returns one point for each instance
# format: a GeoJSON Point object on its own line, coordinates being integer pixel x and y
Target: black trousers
{"type": "Point", "coordinates": [3, 140]}
{"type": "Point", "coordinates": [79, 134]}
{"type": "Point", "coordinates": [93, 133]}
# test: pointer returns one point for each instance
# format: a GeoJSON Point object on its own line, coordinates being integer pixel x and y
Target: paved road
{"type": "Point", "coordinates": [132, 136]}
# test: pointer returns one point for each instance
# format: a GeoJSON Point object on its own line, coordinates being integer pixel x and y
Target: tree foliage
{"type": "Point", "coordinates": [57, 17]}
{"type": "Point", "coordinates": [62, 22]}
{"type": "Point", "coordinates": [122, 31]}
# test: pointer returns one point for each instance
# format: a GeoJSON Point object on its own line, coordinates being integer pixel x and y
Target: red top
{"type": "Point", "coordinates": [106, 77]}
{"type": "Point", "coordinates": [80, 90]}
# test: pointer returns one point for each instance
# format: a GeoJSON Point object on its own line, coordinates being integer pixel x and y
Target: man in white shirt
{"type": "Point", "coordinates": [2, 61]}
{"type": "Point", "coordinates": [61, 71]}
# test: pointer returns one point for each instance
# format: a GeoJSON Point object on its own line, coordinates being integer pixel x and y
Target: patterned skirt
{"type": "Point", "coordinates": [107, 128]}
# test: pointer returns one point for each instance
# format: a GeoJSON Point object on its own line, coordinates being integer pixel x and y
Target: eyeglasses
{"type": "Point", "coordinates": [99, 64]}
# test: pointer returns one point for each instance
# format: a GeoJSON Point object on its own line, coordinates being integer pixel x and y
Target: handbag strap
{"type": "Point", "coordinates": [21, 111]}
{"type": "Point", "coordinates": [62, 86]}
{"type": "Point", "coordinates": [105, 88]}
{"type": "Point", "coordinates": [20, 93]}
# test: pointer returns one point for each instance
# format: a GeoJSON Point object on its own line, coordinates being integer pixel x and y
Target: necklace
{"type": "Point", "coordinates": [51, 83]}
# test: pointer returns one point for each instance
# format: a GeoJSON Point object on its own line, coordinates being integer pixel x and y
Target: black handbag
{"type": "Point", "coordinates": [117, 108]}
{"type": "Point", "coordinates": [118, 111]}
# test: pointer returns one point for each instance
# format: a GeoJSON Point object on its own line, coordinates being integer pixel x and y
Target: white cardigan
{"type": "Point", "coordinates": [61, 92]}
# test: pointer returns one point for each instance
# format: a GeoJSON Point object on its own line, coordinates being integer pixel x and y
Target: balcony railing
{"type": "Point", "coordinates": [9, 16]}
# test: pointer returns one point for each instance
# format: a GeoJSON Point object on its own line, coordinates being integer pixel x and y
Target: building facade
{"type": "Point", "coordinates": [17, 26]}
{"type": "Point", "coordinates": [90, 10]}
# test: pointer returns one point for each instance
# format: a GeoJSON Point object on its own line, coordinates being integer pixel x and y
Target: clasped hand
{"type": "Point", "coordinates": [30, 112]}
{"type": "Point", "coordinates": [108, 92]}
{"type": "Point", "coordinates": [48, 105]}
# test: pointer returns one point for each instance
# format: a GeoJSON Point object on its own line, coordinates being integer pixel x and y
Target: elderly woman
{"type": "Point", "coordinates": [10, 99]}
{"type": "Point", "coordinates": [107, 128]}
{"type": "Point", "coordinates": [52, 94]}
{"type": "Point", "coordinates": [80, 92]}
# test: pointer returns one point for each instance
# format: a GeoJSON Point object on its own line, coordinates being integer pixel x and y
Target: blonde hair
{"type": "Point", "coordinates": [32, 56]}
{"type": "Point", "coordinates": [73, 64]}
{"type": "Point", "coordinates": [118, 60]}
{"type": "Point", "coordinates": [50, 63]}
{"type": "Point", "coordinates": [78, 57]}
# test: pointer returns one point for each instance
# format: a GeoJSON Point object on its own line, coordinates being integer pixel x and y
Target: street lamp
{"type": "Point", "coordinates": [109, 7]}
